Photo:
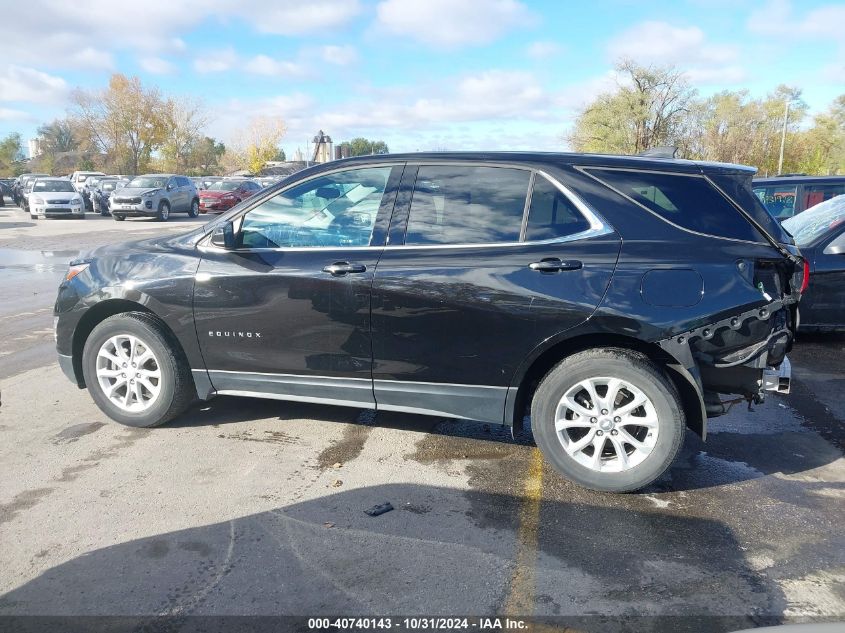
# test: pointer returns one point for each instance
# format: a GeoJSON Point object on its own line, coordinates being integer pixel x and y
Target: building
{"type": "Point", "coordinates": [323, 152]}
{"type": "Point", "coordinates": [35, 148]}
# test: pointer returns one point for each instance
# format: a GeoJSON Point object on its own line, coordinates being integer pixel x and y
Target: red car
{"type": "Point", "coordinates": [225, 194]}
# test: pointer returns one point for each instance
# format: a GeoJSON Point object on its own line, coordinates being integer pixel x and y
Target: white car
{"type": "Point", "coordinates": [55, 198]}
{"type": "Point", "coordinates": [78, 178]}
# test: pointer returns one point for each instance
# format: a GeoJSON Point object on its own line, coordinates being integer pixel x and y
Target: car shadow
{"type": "Point", "coordinates": [440, 551]}
{"type": "Point", "coordinates": [743, 449]}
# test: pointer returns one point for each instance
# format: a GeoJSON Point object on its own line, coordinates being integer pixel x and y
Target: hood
{"type": "Point", "coordinates": [149, 246]}
{"type": "Point", "coordinates": [216, 194]}
{"type": "Point", "coordinates": [55, 195]}
{"type": "Point", "coordinates": [131, 192]}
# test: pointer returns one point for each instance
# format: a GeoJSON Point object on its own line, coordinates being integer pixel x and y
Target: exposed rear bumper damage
{"type": "Point", "coordinates": [742, 355]}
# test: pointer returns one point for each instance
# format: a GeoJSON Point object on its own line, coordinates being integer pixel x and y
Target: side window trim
{"type": "Point", "coordinates": [523, 229]}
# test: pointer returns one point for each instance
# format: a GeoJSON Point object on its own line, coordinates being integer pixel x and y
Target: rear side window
{"type": "Point", "coordinates": [814, 194]}
{"type": "Point", "coordinates": [552, 214]}
{"type": "Point", "coordinates": [686, 201]}
{"type": "Point", "coordinates": [467, 205]}
{"type": "Point", "coordinates": [779, 200]}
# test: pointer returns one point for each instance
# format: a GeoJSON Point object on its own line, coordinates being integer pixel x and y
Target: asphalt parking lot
{"type": "Point", "coordinates": [256, 507]}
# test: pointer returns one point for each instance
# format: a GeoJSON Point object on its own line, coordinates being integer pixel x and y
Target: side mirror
{"type": "Point", "coordinates": [170, 187]}
{"type": "Point", "coordinates": [224, 236]}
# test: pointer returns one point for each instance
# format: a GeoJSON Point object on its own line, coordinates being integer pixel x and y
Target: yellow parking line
{"type": "Point", "coordinates": [521, 595]}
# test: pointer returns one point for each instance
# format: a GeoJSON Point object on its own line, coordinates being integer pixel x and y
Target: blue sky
{"type": "Point", "coordinates": [419, 74]}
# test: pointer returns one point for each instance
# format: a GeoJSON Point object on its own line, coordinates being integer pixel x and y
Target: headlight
{"type": "Point", "coordinates": [76, 200]}
{"type": "Point", "coordinates": [74, 270]}
{"type": "Point", "coordinates": [149, 194]}
{"type": "Point", "coordinates": [35, 200]}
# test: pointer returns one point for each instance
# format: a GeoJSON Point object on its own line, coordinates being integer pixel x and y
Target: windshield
{"type": "Point", "coordinates": [225, 185]}
{"type": "Point", "coordinates": [109, 185]}
{"type": "Point", "coordinates": [147, 182]}
{"type": "Point", "coordinates": [809, 226]}
{"type": "Point", "coordinates": [53, 185]}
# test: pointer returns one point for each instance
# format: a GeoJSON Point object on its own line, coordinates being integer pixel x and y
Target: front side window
{"type": "Point", "coordinates": [338, 209]}
{"type": "Point", "coordinates": [552, 214]}
{"type": "Point", "coordinates": [467, 205]}
{"type": "Point", "coordinates": [687, 201]}
{"type": "Point", "coordinates": [779, 200]}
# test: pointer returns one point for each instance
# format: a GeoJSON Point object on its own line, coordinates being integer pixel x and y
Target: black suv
{"type": "Point", "coordinates": [614, 298]}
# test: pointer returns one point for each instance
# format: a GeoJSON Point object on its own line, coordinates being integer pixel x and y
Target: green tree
{"type": "Point", "coordinates": [650, 107]}
{"type": "Point", "coordinates": [11, 153]}
{"type": "Point", "coordinates": [205, 156]}
{"type": "Point", "coordinates": [364, 147]}
{"type": "Point", "coordinates": [280, 156]}
{"type": "Point", "coordinates": [58, 136]}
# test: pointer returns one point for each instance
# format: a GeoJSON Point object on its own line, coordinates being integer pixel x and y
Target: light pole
{"type": "Point", "coordinates": [783, 137]}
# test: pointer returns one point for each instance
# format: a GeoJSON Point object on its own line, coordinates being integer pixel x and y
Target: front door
{"type": "Point", "coordinates": [824, 302]}
{"type": "Point", "coordinates": [287, 313]}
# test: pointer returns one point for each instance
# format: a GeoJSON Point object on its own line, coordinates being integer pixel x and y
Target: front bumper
{"type": "Point", "coordinates": [66, 363]}
{"type": "Point", "coordinates": [216, 205]}
{"type": "Point", "coordinates": [46, 211]}
{"type": "Point", "coordinates": [132, 210]}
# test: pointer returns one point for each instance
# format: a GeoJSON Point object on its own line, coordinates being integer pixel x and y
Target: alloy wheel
{"type": "Point", "coordinates": [128, 373]}
{"type": "Point", "coordinates": [606, 424]}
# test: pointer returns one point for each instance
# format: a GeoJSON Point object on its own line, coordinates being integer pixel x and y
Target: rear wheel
{"type": "Point", "coordinates": [135, 371]}
{"type": "Point", "coordinates": [195, 209]}
{"type": "Point", "coordinates": [608, 419]}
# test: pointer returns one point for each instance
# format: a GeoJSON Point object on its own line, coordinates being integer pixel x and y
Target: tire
{"type": "Point", "coordinates": [119, 218]}
{"type": "Point", "coordinates": [33, 217]}
{"type": "Point", "coordinates": [163, 211]}
{"type": "Point", "coordinates": [636, 378]}
{"type": "Point", "coordinates": [194, 211]}
{"type": "Point", "coordinates": [157, 351]}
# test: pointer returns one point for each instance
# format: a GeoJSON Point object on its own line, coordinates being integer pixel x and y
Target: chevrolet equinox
{"type": "Point", "coordinates": [619, 300]}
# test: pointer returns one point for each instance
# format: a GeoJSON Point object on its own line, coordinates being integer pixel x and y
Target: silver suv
{"type": "Point", "coordinates": [155, 195]}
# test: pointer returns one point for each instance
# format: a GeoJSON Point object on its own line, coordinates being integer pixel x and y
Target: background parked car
{"type": "Point", "coordinates": [820, 234]}
{"type": "Point", "coordinates": [5, 190]}
{"type": "Point", "coordinates": [102, 192]}
{"type": "Point", "coordinates": [786, 196]}
{"type": "Point", "coordinates": [78, 178]}
{"type": "Point", "coordinates": [20, 186]}
{"type": "Point", "coordinates": [155, 195]}
{"type": "Point", "coordinates": [225, 194]}
{"type": "Point", "coordinates": [55, 197]}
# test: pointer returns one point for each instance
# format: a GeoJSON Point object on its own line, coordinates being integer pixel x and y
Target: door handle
{"type": "Point", "coordinates": [554, 265]}
{"type": "Point", "coordinates": [338, 269]}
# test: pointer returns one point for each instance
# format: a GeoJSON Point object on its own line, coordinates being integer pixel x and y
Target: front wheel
{"type": "Point", "coordinates": [608, 419]}
{"type": "Point", "coordinates": [119, 218]}
{"type": "Point", "coordinates": [136, 371]}
{"type": "Point", "coordinates": [163, 211]}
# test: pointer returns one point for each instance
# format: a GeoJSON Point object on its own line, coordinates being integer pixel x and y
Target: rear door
{"type": "Point", "coordinates": [471, 282]}
{"type": "Point", "coordinates": [825, 299]}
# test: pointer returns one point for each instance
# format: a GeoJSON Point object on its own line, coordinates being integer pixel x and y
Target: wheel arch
{"type": "Point", "coordinates": [541, 362]}
{"type": "Point", "coordinates": [99, 313]}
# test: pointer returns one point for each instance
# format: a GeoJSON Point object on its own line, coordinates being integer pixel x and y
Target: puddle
{"type": "Point", "coordinates": [36, 261]}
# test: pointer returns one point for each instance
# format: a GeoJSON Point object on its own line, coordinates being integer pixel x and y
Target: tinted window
{"type": "Point", "coordinates": [814, 194]}
{"type": "Point", "coordinates": [779, 200]}
{"type": "Point", "coordinates": [183, 182]}
{"type": "Point", "coordinates": [552, 214]}
{"type": "Point", "coordinates": [335, 210]}
{"type": "Point", "coordinates": [467, 205]}
{"type": "Point", "coordinates": [687, 201]}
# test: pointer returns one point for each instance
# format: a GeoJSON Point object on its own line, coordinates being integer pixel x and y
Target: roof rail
{"type": "Point", "coordinates": [661, 151]}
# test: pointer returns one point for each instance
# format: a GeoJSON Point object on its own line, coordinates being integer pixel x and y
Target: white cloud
{"type": "Point", "coordinates": [654, 42]}
{"type": "Point", "coordinates": [156, 65]}
{"type": "Point", "coordinates": [543, 50]}
{"type": "Point", "coordinates": [295, 17]}
{"type": "Point", "coordinates": [216, 61]}
{"type": "Point", "coordinates": [264, 65]}
{"type": "Point", "coordinates": [452, 23]}
{"type": "Point", "coordinates": [18, 83]}
{"type": "Point", "coordinates": [339, 55]}
{"type": "Point", "coordinates": [777, 18]}
{"type": "Point", "coordinates": [10, 114]}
